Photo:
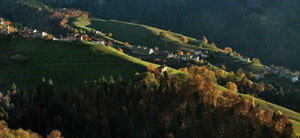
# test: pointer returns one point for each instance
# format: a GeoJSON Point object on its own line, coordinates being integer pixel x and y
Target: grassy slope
{"type": "Point", "coordinates": [64, 63]}
{"type": "Point", "coordinates": [138, 34]}
{"type": "Point", "coordinates": [145, 35]}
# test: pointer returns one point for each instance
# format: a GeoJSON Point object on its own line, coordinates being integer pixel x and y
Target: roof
{"type": "Point", "coordinates": [99, 39]}
{"type": "Point", "coordinates": [162, 66]}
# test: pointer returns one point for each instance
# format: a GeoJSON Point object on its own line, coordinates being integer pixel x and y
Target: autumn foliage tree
{"type": "Point", "coordinates": [231, 86]}
{"type": "Point", "coordinates": [84, 16]}
{"type": "Point", "coordinates": [109, 43]}
{"type": "Point", "coordinates": [120, 49]}
{"type": "Point", "coordinates": [161, 105]}
{"type": "Point", "coordinates": [184, 39]}
{"type": "Point", "coordinates": [227, 50]}
{"type": "Point", "coordinates": [49, 37]}
{"type": "Point", "coordinates": [126, 44]}
{"type": "Point", "coordinates": [180, 53]}
{"type": "Point", "coordinates": [150, 67]}
{"type": "Point", "coordinates": [204, 39]}
{"type": "Point", "coordinates": [55, 134]}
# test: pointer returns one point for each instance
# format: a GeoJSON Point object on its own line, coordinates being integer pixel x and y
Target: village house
{"type": "Point", "coordinates": [260, 76]}
{"type": "Point", "coordinates": [197, 53]}
{"type": "Point", "coordinates": [185, 57]}
{"type": "Point", "coordinates": [71, 38]}
{"type": "Point", "coordinates": [142, 50]}
{"type": "Point", "coordinates": [285, 74]}
{"type": "Point", "coordinates": [165, 54]}
{"type": "Point", "coordinates": [40, 34]}
{"type": "Point", "coordinates": [80, 38]}
{"type": "Point", "coordinates": [4, 31]}
{"type": "Point", "coordinates": [98, 41]}
{"type": "Point", "coordinates": [245, 60]}
{"type": "Point", "coordinates": [204, 56]}
{"type": "Point", "coordinates": [295, 79]}
{"type": "Point", "coordinates": [196, 58]}
{"type": "Point", "coordinates": [98, 33]}
{"type": "Point", "coordinates": [163, 68]}
{"type": "Point", "coordinates": [135, 49]}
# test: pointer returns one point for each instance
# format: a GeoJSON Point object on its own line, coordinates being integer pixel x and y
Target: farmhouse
{"type": "Point", "coordinates": [142, 50]}
{"type": "Point", "coordinates": [197, 53]}
{"type": "Point", "coordinates": [71, 38]}
{"type": "Point", "coordinates": [245, 60]}
{"type": "Point", "coordinates": [260, 76]}
{"type": "Point", "coordinates": [163, 68]}
{"type": "Point", "coordinates": [98, 41]}
{"type": "Point", "coordinates": [4, 31]}
{"type": "Point", "coordinates": [204, 56]}
{"type": "Point", "coordinates": [196, 58]}
{"type": "Point", "coordinates": [295, 79]}
{"type": "Point", "coordinates": [185, 57]}
{"type": "Point", "coordinates": [165, 54]}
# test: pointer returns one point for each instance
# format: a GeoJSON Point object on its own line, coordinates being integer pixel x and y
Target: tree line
{"type": "Point", "coordinates": [152, 105]}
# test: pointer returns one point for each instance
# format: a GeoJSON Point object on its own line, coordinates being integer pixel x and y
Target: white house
{"type": "Point", "coordinates": [260, 76]}
{"type": "Point", "coordinates": [245, 60]}
{"type": "Point", "coordinates": [147, 51]}
{"type": "Point", "coordinates": [197, 53]}
{"type": "Point", "coordinates": [44, 34]}
{"type": "Point", "coordinates": [98, 41]}
{"type": "Point", "coordinates": [196, 58]}
{"type": "Point", "coordinates": [163, 68]}
{"type": "Point", "coordinates": [295, 78]}
{"type": "Point", "coordinates": [185, 57]}
{"type": "Point", "coordinates": [204, 56]}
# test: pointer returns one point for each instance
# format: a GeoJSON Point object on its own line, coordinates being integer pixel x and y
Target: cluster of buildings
{"type": "Point", "coordinates": [5, 29]}
{"type": "Point", "coordinates": [71, 37]}
{"type": "Point", "coordinates": [28, 33]}
{"type": "Point", "coordinates": [281, 72]}
{"type": "Point", "coordinates": [241, 59]}
{"type": "Point", "coordinates": [192, 57]}
{"type": "Point", "coordinates": [140, 50]}
{"type": "Point", "coordinates": [145, 51]}
{"type": "Point", "coordinates": [284, 73]}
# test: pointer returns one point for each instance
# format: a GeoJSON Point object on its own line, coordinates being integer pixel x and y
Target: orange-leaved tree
{"type": "Point", "coordinates": [126, 44]}
{"type": "Point", "coordinates": [184, 39]}
{"type": "Point", "coordinates": [231, 86]}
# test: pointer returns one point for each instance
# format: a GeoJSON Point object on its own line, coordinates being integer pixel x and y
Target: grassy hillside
{"type": "Point", "coordinates": [64, 63]}
{"type": "Point", "coordinates": [137, 34]}
{"type": "Point", "coordinates": [268, 30]}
